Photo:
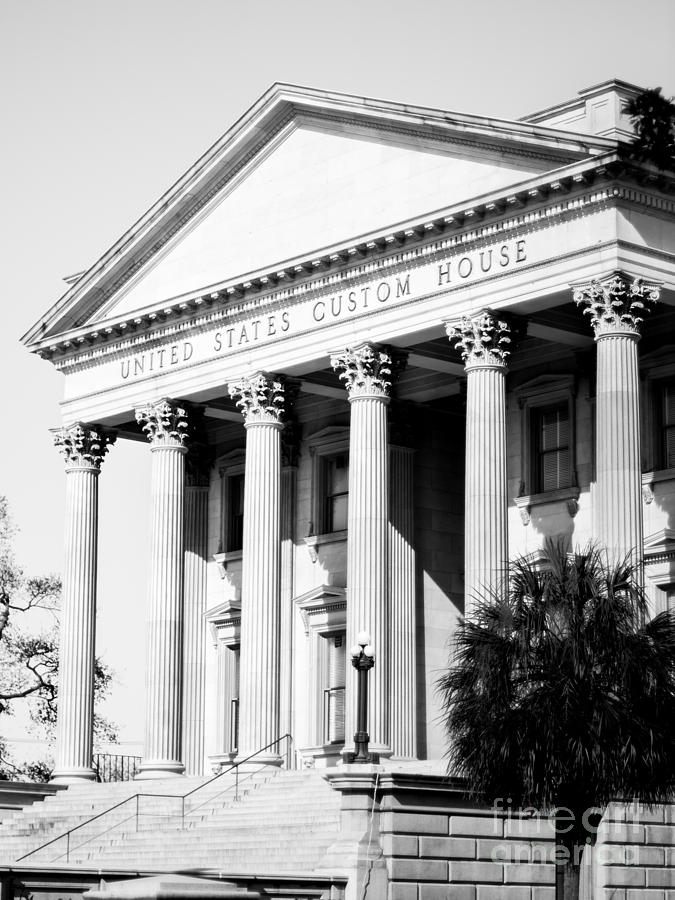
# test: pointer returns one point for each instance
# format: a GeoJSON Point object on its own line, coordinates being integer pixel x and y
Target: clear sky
{"type": "Point", "coordinates": [105, 104]}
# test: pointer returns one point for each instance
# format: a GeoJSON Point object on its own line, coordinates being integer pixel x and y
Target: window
{"type": "Point", "coordinates": [336, 479]}
{"type": "Point", "coordinates": [548, 444]}
{"type": "Point", "coordinates": [329, 451]}
{"type": "Point", "coordinates": [233, 711]}
{"type": "Point", "coordinates": [658, 417]}
{"type": "Point", "coordinates": [224, 623]}
{"type": "Point", "coordinates": [550, 430]}
{"type": "Point", "coordinates": [235, 512]}
{"type": "Point", "coordinates": [324, 615]}
{"type": "Point", "coordinates": [334, 692]}
{"type": "Point", "coordinates": [666, 424]}
{"type": "Point", "coordinates": [231, 469]}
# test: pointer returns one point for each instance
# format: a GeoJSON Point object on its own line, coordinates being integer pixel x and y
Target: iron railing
{"type": "Point", "coordinates": [130, 810]}
{"type": "Point", "coordinates": [115, 766]}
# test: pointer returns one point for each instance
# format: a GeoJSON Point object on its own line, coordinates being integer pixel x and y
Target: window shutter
{"type": "Point", "coordinates": [552, 436]}
{"type": "Point", "coordinates": [669, 441]}
{"type": "Point", "coordinates": [669, 404]}
{"type": "Point", "coordinates": [554, 428]}
{"type": "Point", "coordinates": [336, 683]}
{"type": "Point", "coordinates": [669, 425]}
{"type": "Point", "coordinates": [336, 661]}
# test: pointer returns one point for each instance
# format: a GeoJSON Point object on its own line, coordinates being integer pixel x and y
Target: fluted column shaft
{"type": "Point", "coordinates": [616, 306]}
{"type": "Point", "coordinates": [618, 469]}
{"type": "Point", "coordinates": [482, 340]}
{"type": "Point", "coordinates": [194, 592]}
{"type": "Point", "coordinates": [84, 447]}
{"type": "Point", "coordinates": [366, 373]}
{"type": "Point", "coordinates": [165, 424]}
{"type": "Point", "coordinates": [403, 656]}
{"type": "Point", "coordinates": [485, 494]}
{"type": "Point", "coordinates": [261, 402]}
{"type": "Point", "coordinates": [367, 545]}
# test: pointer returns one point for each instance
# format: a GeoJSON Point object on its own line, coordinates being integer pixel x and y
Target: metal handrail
{"type": "Point", "coordinates": [182, 797]}
{"type": "Point", "coordinates": [67, 834]}
{"type": "Point", "coordinates": [235, 765]}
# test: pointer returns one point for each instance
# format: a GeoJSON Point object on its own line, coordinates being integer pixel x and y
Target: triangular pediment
{"type": "Point", "coordinates": [301, 172]}
{"type": "Point", "coordinates": [311, 191]}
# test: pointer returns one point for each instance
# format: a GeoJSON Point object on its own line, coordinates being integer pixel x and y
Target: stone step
{"type": "Point", "coordinates": [280, 821]}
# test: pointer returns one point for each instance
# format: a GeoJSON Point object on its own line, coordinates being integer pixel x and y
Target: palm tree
{"type": "Point", "coordinates": [561, 694]}
{"type": "Point", "coordinates": [653, 119]}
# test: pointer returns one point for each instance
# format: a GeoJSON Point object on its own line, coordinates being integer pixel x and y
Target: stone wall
{"type": "Point", "coordinates": [433, 838]}
{"type": "Point", "coordinates": [634, 858]}
{"type": "Point", "coordinates": [418, 832]}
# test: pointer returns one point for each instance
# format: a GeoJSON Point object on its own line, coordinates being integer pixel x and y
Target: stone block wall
{"type": "Point", "coordinates": [462, 852]}
{"type": "Point", "coordinates": [438, 845]}
{"type": "Point", "coordinates": [634, 858]}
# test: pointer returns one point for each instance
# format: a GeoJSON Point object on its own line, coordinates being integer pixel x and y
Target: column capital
{"type": "Point", "coordinates": [164, 423]}
{"type": "Point", "coordinates": [482, 339]}
{"type": "Point", "coordinates": [366, 371]}
{"type": "Point", "coordinates": [84, 446]}
{"type": "Point", "coordinates": [616, 304]}
{"type": "Point", "coordinates": [260, 398]}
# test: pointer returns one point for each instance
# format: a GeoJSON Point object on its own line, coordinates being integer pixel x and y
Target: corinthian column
{"type": "Point", "coordinates": [366, 373]}
{"type": "Point", "coordinates": [83, 447]}
{"type": "Point", "coordinates": [482, 340]}
{"type": "Point", "coordinates": [165, 424]}
{"type": "Point", "coordinates": [616, 306]}
{"type": "Point", "coordinates": [260, 399]}
{"type": "Point", "coordinates": [197, 476]}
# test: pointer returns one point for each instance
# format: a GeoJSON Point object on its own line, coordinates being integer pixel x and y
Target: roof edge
{"type": "Point", "coordinates": [288, 99]}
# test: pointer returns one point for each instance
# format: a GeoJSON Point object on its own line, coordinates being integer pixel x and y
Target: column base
{"type": "Point", "coordinates": [73, 776]}
{"type": "Point", "coordinates": [262, 759]}
{"type": "Point", "coordinates": [150, 770]}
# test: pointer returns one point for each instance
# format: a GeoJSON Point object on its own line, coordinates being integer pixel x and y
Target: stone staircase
{"type": "Point", "coordinates": [283, 821]}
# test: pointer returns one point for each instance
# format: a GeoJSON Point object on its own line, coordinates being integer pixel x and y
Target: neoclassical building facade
{"type": "Point", "coordinates": [374, 351]}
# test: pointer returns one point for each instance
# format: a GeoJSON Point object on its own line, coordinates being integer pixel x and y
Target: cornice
{"type": "Point", "coordinates": [482, 142]}
{"type": "Point", "coordinates": [272, 112]}
{"type": "Point", "coordinates": [537, 202]}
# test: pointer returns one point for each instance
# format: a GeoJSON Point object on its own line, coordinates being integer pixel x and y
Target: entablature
{"type": "Point", "coordinates": [574, 188]}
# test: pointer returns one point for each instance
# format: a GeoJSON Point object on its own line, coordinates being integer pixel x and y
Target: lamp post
{"type": "Point", "coordinates": [363, 659]}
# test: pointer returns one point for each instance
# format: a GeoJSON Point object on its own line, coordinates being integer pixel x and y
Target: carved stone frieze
{"type": "Point", "coordinates": [260, 398]}
{"type": "Point", "coordinates": [617, 304]}
{"type": "Point", "coordinates": [165, 423]}
{"type": "Point", "coordinates": [366, 371]}
{"type": "Point", "coordinates": [482, 339]}
{"type": "Point", "coordinates": [84, 445]}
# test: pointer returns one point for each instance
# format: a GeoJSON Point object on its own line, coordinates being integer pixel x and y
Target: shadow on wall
{"type": "Point", "coordinates": [439, 542]}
